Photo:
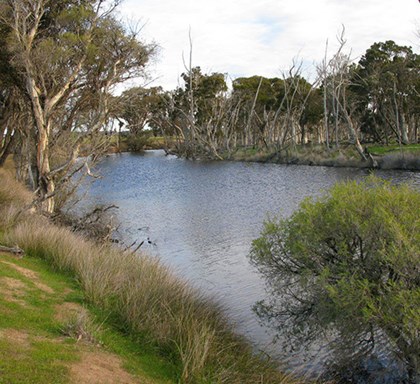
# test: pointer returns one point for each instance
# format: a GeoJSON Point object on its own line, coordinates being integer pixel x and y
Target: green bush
{"type": "Point", "coordinates": [137, 143]}
{"type": "Point", "coordinates": [348, 265]}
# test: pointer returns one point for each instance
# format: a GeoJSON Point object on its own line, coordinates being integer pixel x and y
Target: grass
{"type": "Point", "coordinates": [252, 154]}
{"type": "Point", "coordinates": [386, 149]}
{"type": "Point", "coordinates": [28, 329]}
{"type": "Point", "coordinates": [39, 346]}
{"type": "Point", "coordinates": [168, 327]}
{"type": "Point", "coordinates": [388, 157]}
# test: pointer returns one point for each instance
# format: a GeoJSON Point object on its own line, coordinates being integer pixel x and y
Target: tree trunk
{"type": "Point", "coordinates": [46, 185]}
{"type": "Point", "coordinates": [327, 138]}
{"type": "Point", "coordinates": [404, 130]}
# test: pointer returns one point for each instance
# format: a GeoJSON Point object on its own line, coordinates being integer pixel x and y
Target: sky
{"type": "Point", "coordinates": [263, 37]}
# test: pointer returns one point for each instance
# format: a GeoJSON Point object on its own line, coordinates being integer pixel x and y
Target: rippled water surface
{"type": "Point", "coordinates": [200, 217]}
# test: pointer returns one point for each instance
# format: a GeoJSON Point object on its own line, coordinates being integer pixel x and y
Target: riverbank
{"type": "Point", "coordinates": [379, 157]}
{"type": "Point", "coordinates": [161, 319]}
{"type": "Point", "coordinates": [389, 157]}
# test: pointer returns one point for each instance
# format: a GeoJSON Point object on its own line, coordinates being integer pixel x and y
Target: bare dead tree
{"type": "Point", "coordinates": [334, 75]}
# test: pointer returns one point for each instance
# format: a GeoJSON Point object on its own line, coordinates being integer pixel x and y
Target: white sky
{"type": "Point", "coordinates": [262, 37]}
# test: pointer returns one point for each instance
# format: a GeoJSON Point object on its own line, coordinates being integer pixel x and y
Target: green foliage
{"type": "Point", "coordinates": [207, 91]}
{"type": "Point", "coordinates": [381, 149]}
{"type": "Point", "coordinates": [270, 94]}
{"type": "Point", "coordinates": [137, 143]}
{"type": "Point", "coordinates": [349, 265]}
{"type": "Point", "coordinates": [386, 82]}
{"type": "Point", "coordinates": [139, 107]}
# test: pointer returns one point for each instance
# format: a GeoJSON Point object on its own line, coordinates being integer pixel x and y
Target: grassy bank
{"type": "Point", "coordinates": [50, 334]}
{"type": "Point", "coordinates": [139, 298]}
{"type": "Point", "coordinates": [387, 157]}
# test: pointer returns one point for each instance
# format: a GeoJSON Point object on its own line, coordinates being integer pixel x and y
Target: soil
{"type": "Point", "coordinates": [67, 311]}
{"type": "Point", "coordinates": [13, 290]}
{"type": "Point", "coordinates": [100, 368]}
{"type": "Point", "coordinates": [17, 337]}
{"type": "Point", "coordinates": [96, 366]}
{"type": "Point", "coordinates": [32, 275]}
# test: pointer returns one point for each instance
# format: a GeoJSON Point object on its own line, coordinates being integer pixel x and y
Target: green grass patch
{"type": "Point", "coordinates": [34, 347]}
{"type": "Point", "coordinates": [140, 356]}
{"type": "Point", "coordinates": [31, 349]}
{"type": "Point", "coordinates": [34, 363]}
{"type": "Point", "coordinates": [385, 149]}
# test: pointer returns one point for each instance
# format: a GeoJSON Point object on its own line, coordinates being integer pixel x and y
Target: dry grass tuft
{"type": "Point", "coordinates": [12, 191]}
{"type": "Point", "coordinates": [13, 198]}
{"type": "Point", "coordinates": [397, 160]}
{"type": "Point", "coordinates": [80, 326]}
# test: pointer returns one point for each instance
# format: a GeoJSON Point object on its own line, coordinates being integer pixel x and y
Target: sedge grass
{"type": "Point", "coordinates": [147, 299]}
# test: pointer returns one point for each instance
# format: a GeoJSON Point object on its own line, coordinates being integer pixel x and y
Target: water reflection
{"type": "Point", "coordinates": [202, 216]}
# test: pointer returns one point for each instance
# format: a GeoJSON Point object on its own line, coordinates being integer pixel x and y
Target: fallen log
{"type": "Point", "coordinates": [15, 250]}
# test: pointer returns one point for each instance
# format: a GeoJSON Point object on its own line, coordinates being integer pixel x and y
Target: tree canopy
{"type": "Point", "coordinates": [63, 60]}
{"type": "Point", "coordinates": [386, 81]}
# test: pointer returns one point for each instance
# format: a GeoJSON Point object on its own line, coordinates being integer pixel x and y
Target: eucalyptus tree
{"type": "Point", "coordinates": [387, 83]}
{"type": "Point", "coordinates": [298, 108]}
{"type": "Point", "coordinates": [6, 135]}
{"type": "Point", "coordinates": [275, 111]}
{"type": "Point", "coordinates": [259, 100]}
{"type": "Point", "coordinates": [8, 82]}
{"type": "Point", "coordinates": [335, 75]}
{"type": "Point", "coordinates": [138, 106]}
{"type": "Point", "coordinates": [198, 112]}
{"type": "Point", "coordinates": [67, 57]}
{"type": "Point", "coordinates": [311, 116]}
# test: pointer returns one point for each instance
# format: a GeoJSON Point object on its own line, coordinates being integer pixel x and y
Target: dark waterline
{"type": "Point", "coordinates": [201, 217]}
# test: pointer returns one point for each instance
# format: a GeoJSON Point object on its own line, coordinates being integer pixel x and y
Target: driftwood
{"type": "Point", "coordinates": [15, 250]}
{"type": "Point", "coordinates": [373, 162]}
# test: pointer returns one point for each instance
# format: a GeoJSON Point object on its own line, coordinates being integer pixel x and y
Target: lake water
{"type": "Point", "coordinates": [200, 217]}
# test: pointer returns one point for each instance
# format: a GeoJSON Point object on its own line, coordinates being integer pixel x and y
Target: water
{"type": "Point", "coordinates": [200, 218]}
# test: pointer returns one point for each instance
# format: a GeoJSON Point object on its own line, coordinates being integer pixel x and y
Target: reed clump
{"type": "Point", "coordinates": [147, 299]}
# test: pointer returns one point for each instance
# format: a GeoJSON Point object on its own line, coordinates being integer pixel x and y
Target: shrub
{"type": "Point", "coordinates": [137, 143]}
{"type": "Point", "coordinates": [348, 265]}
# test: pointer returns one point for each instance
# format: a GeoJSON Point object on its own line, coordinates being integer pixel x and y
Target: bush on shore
{"type": "Point", "coordinates": [347, 265]}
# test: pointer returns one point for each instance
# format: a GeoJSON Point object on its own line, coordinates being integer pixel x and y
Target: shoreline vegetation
{"type": "Point", "coordinates": [381, 158]}
{"type": "Point", "coordinates": [394, 156]}
{"type": "Point", "coordinates": [135, 296]}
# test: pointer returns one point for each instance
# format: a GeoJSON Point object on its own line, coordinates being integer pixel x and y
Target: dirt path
{"type": "Point", "coordinates": [23, 293]}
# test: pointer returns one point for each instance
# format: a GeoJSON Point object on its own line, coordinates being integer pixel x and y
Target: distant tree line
{"type": "Point", "coordinates": [376, 100]}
